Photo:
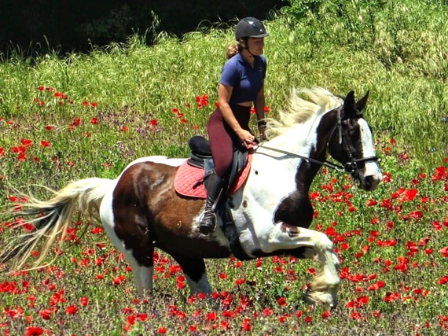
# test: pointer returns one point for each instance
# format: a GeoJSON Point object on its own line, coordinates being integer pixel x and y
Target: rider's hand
{"type": "Point", "coordinates": [246, 137]}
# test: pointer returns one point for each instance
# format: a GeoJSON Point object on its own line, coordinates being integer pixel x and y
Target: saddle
{"type": "Point", "coordinates": [191, 175]}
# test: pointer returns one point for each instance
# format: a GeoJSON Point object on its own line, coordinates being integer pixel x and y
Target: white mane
{"type": "Point", "coordinates": [301, 110]}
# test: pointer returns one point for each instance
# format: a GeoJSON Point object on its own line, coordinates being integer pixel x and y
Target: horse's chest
{"type": "Point", "coordinates": [295, 209]}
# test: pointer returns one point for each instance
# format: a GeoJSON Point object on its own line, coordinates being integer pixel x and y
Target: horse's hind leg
{"type": "Point", "coordinates": [129, 238]}
{"type": "Point", "coordinates": [195, 273]}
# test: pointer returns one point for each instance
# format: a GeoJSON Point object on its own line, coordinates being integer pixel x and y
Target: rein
{"type": "Point", "coordinates": [324, 163]}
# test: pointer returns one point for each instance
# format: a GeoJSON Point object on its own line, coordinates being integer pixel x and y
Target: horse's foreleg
{"type": "Point", "coordinates": [195, 273]}
{"type": "Point", "coordinates": [325, 284]}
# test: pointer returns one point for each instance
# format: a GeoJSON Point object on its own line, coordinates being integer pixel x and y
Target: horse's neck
{"type": "Point", "coordinates": [307, 140]}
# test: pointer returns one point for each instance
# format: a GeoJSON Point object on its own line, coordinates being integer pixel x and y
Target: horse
{"type": "Point", "coordinates": [272, 212]}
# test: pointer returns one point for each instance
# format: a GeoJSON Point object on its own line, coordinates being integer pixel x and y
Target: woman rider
{"type": "Point", "coordinates": [240, 87]}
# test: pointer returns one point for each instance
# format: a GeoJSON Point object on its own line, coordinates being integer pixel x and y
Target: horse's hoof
{"type": "Point", "coordinates": [320, 298]}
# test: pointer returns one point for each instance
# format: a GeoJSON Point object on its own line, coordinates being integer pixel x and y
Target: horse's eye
{"type": "Point", "coordinates": [352, 133]}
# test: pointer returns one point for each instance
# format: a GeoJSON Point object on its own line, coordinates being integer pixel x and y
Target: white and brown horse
{"type": "Point", "coordinates": [141, 211]}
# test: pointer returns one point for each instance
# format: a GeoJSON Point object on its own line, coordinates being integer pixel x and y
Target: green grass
{"type": "Point", "coordinates": [397, 50]}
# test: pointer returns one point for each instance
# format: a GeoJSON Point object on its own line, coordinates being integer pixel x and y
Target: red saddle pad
{"type": "Point", "coordinates": [188, 180]}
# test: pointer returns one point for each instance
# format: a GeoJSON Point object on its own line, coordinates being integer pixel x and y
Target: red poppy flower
{"type": "Point", "coordinates": [281, 301]}
{"type": "Point", "coordinates": [443, 280]}
{"type": "Point", "coordinates": [71, 310]}
{"type": "Point", "coordinates": [77, 121]}
{"type": "Point", "coordinates": [84, 301]}
{"type": "Point", "coordinates": [34, 331]}
{"type": "Point", "coordinates": [326, 314]}
{"type": "Point", "coordinates": [444, 251]}
{"type": "Point", "coordinates": [308, 319]}
{"type": "Point", "coordinates": [46, 313]}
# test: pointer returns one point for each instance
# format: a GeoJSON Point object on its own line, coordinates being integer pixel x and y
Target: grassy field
{"type": "Point", "coordinates": [69, 117]}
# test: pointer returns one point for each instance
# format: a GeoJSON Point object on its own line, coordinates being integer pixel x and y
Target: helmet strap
{"type": "Point", "coordinates": [246, 45]}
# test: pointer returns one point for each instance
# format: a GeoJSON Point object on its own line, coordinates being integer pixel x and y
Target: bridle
{"type": "Point", "coordinates": [351, 166]}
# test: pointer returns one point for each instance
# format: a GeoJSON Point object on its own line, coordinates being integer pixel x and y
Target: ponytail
{"type": "Point", "coordinates": [233, 49]}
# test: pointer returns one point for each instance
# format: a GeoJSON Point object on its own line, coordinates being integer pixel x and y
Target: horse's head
{"type": "Point", "coordinates": [351, 143]}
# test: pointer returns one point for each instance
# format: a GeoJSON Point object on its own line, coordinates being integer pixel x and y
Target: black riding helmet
{"type": "Point", "coordinates": [250, 27]}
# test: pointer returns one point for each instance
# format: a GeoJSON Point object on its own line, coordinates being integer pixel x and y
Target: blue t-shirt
{"type": "Point", "coordinates": [245, 80]}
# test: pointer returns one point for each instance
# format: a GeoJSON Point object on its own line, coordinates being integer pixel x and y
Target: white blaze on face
{"type": "Point", "coordinates": [368, 150]}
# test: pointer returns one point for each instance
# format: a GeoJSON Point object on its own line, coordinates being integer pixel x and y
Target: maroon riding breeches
{"type": "Point", "coordinates": [223, 138]}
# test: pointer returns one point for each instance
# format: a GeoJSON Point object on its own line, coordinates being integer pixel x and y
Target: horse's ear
{"type": "Point", "coordinates": [349, 104]}
{"type": "Point", "coordinates": [361, 104]}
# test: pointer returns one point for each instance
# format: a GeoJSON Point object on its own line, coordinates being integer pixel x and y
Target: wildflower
{"type": "Point", "coordinates": [239, 282]}
{"type": "Point", "coordinates": [97, 230]}
{"type": "Point", "coordinates": [246, 325]}
{"type": "Point", "coordinates": [443, 280]}
{"type": "Point", "coordinates": [76, 121]}
{"type": "Point", "coordinates": [211, 316]}
{"type": "Point", "coordinates": [71, 310]}
{"type": "Point", "coordinates": [118, 280]}
{"type": "Point", "coordinates": [84, 301]}
{"type": "Point", "coordinates": [282, 301]}
{"type": "Point", "coordinates": [46, 313]}
{"type": "Point", "coordinates": [444, 251]}
{"type": "Point", "coordinates": [94, 121]}
{"type": "Point", "coordinates": [34, 331]}
{"type": "Point", "coordinates": [26, 142]}
{"type": "Point", "coordinates": [267, 312]}
{"type": "Point", "coordinates": [326, 314]}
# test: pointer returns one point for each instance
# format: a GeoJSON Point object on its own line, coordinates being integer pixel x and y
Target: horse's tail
{"type": "Point", "coordinates": [51, 218]}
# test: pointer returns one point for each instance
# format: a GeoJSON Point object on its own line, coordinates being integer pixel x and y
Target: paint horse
{"type": "Point", "coordinates": [272, 212]}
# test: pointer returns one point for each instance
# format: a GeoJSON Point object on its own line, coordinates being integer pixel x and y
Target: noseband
{"type": "Point", "coordinates": [350, 166]}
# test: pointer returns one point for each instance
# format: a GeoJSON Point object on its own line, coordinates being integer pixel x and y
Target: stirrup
{"type": "Point", "coordinates": [208, 222]}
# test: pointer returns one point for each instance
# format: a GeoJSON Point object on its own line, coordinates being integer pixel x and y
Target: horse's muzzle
{"type": "Point", "coordinates": [369, 182]}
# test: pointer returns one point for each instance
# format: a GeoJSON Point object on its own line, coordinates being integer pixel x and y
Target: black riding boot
{"type": "Point", "coordinates": [215, 186]}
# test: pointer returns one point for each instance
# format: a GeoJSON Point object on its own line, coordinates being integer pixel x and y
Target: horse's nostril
{"type": "Point", "coordinates": [368, 182]}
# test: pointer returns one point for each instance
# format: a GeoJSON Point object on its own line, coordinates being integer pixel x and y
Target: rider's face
{"type": "Point", "coordinates": [256, 45]}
